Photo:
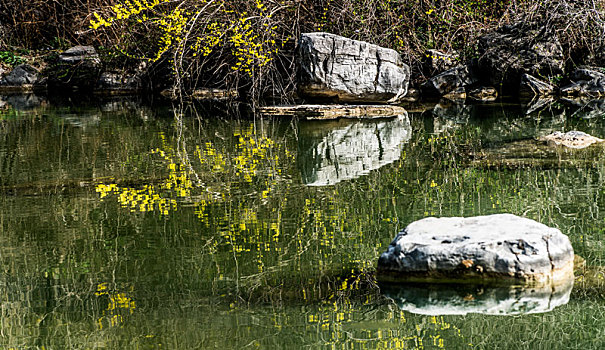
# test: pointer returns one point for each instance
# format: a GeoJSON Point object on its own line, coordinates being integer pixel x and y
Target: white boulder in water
{"type": "Point", "coordinates": [494, 249]}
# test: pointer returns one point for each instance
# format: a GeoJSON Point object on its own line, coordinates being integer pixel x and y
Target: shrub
{"type": "Point", "coordinates": [249, 44]}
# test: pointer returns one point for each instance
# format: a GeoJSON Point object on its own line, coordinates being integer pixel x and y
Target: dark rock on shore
{"type": "Point", "coordinates": [532, 86]}
{"type": "Point", "coordinates": [413, 95]}
{"type": "Point", "coordinates": [460, 77]}
{"type": "Point", "coordinates": [522, 48]}
{"type": "Point", "coordinates": [78, 68]}
{"type": "Point", "coordinates": [21, 75]}
{"type": "Point", "coordinates": [585, 82]}
{"type": "Point", "coordinates": [115, 82]}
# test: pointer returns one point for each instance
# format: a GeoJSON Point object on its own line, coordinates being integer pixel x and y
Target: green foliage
{"type": "Point", "coordinates": [10, 58]}
{"type": "Point", "coordinates": [59, 43]}
{"type": "Point", "coordinates": [556, 79]}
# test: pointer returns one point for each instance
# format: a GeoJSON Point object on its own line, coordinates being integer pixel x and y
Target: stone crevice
{"type": "Point", "coordinates": [377, 77]}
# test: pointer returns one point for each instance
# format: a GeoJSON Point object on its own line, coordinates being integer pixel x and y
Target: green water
{"type": "Point", "coordinates": [124, 226]}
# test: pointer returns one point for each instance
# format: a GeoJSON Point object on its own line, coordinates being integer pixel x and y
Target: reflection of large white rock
{"type": "Point", "coordinates": [500, 248]}
{"type": "Point", "coordinates": [445, 300]}
{"type": "Point", "coordinates": [336, 151]}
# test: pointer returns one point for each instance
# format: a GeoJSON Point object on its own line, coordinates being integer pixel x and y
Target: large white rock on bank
{"type": "Point", "coordinates": [337, 68]}
{"type": "Point", "coordinates": [501, 248]}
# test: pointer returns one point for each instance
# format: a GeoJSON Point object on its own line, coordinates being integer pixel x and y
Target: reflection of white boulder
{"type": "Point", "coordinates": [447, 300]}
{"type": "Point", "coordinates": [331, 152]}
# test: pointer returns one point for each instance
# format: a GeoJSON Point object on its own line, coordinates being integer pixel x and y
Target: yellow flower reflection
{"type": "Point", "coordinates": [119, 304]}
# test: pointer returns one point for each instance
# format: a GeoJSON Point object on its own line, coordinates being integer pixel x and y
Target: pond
{"type": "Point", "coordinates": [129, 226]}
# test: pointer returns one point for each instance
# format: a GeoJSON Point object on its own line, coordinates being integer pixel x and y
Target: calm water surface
{"type": "Point", "coordinates": [124, 226]}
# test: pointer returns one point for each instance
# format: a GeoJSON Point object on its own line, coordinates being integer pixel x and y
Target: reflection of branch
{"type": "Point", "coordinates": [282, 263]}
{"type": "Point", "coordinates": [236, 265]}
{"type": "Point", "coordinates": [181, 149]}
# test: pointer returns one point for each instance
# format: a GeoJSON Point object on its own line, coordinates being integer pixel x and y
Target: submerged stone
{"type": "Point", "coordinates": [571, 139]}
{"type": "Point", "coordinates": [585, 82]}
{"type": "Point", "coordinates": [535, 153]}
{"type": "Point", "coordinates": [494, 249]}
{"type": "Point", "coordinates": [77, 68]}
{"type": "Point", "coordinates": [312, 112]}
